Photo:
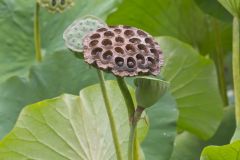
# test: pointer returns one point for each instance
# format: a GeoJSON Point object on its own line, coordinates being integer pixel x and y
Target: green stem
{"type": "Point", "coordinates": [236, 67]}
{"type": "Point", "coordinates": [127, 97]}
{"type": "Point", "coordinates": [110, 116]}
{"type": "Point", "coordinates": [132, 145]}
{"type": "Point", "coordinates": [37, 38]}
{"type": "Point", "coordinates": [131, 142]}
{"type": "Point", "coordinates": [218, 58]}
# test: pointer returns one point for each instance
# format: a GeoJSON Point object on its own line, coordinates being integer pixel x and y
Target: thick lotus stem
{"type": "Point", "coordinates": [132, 144]}
{"type": "Point", "coordinates": [37, 38]}
{"type": "Point", "coordinates": [236, 67]}
{"type": "Point", "coordinates": [110, 116]}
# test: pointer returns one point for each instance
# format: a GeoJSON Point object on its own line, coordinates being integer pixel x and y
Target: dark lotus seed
{"type": "Point", "coordinates": [120, 63]}
{"type": "Point", "coordinates": [140, 61]}
{"type": "Point", "coordinates": [150, 61]}
{"type": "Point", "coordinates": [130, 64]}
{"type": "Point", "coordinates": [109, 56]}
{"type": "Point", "coordinates": [96, 51]}
{"type": "Point", "coordinates": [141, 33]}
{"type": "Point", "coordinates": [95, 36]}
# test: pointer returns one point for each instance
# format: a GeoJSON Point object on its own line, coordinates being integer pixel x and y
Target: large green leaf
{"type": "Point", "coordinates": [190, 146]}
{"type": "Point", "coordinates": [227, 152]}
{"type": "Point", "coordinates": [214, 8]}
{"type": "Point", "coordinates": [178, 18]}
{"type": "Point", "coordinates": [69, 128]}
{"type": "Point", "coordinates": [194, 85]}
{"type": "Point", "coordinates": [162, 131]}
{"type": "Point", "coordinates": [58, 73]}
{"type": "Point", "coordinates": [16, 31]}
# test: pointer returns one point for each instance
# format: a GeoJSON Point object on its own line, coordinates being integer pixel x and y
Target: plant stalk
{"type": "Point", "coordinates": [218, 58]}
{"type": "Point", "coordinates": [110, 116]}
{"type": "Point", "coordinates": [132, 145]}
{"type": "Point", "coordinates": [127, 97]}
{"type": "Point", "coordinates": [236, 67]}
{"type": "Point", "coordinates": [37, 38]}
{"type": "Point", "coordinates": [131, 142]}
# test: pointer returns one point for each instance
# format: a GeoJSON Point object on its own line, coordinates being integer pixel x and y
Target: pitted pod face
{"type": "Point", "coordinates": [56, 5]}
{"type": "Point", "coordinates": [123, 50]}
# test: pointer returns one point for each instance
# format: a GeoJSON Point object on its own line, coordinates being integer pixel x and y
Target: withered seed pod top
{"type": "Point", "coordinates": [56, 5]}
{"type": "Point", "coordinates": [123, 50]}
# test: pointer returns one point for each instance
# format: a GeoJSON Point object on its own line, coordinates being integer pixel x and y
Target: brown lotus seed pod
{"type": "Point", "coordinates": [123, 50]}
{"type": "Point", "coordinates": [56, 5]}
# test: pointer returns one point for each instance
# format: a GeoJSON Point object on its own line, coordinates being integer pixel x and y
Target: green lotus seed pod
{"type": "Point", "coordinates": [75, 33]}
{"type": "Point", "coordinates": [56, 5]}
{"type": "Point", "coordinates": [149, 90]}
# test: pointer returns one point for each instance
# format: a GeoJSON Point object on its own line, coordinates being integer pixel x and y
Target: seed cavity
{"type": "Point", "coordinates": [119, 61]}
{"type": "Point", "coordinates": [155, 52]}
{"type": "Point", "coordinates": [140, 59]}
{"type": "Point", "coordinates": [135, 40]}
{"type": "Point", "coordinates": [119, 40]}
{"type": "Point", "coordinates": [119, 50]}
{"type": "Point", "coordinates": [93, 43]}
{"type": "Point", "coordinates": [142, 47]}
{"type": "Point", "coordinates": [150, 61]}
{"type": "Point", "coordinates": [130, 48]}
{"type": "Point", "coordinates": [107, 42]}
{"type": "Point", "coordinates": [107, 55]}
{"type": "Point", "coordinates": [109, 34]}
{"type": "Point", "coordinates": [149, 41]}
{"type": "Point", "coordinates": [95, 36]}
{"type": "Point", "coordinates": [96, 51]}
{"type": "Point", "coordinates": [131, 63]}
{"type": "Point", "coordinates": [129, 33]}
{"type": "Point", "coordinates": [141, 33]}
{"type": "Point", "coordinates": [118, 31]}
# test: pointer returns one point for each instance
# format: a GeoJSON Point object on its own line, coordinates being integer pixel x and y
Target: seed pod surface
{"type": "Point", "coordinates": [123, 50]}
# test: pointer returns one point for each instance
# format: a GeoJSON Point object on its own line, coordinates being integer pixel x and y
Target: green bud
{"type": "Point", "coordinates": [149, 90]}
{"type": "Point", "coordinates": [75, 33]}
{"type": "Point", "coordinates": [56, 5]}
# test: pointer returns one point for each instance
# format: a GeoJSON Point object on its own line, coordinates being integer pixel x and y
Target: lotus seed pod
{"type": "Point", "coordinates": [123, 50]}
{"type": "Point", "coordinates": [56, 5]}
{"type": "Point", "coordinates": [75, 33]}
